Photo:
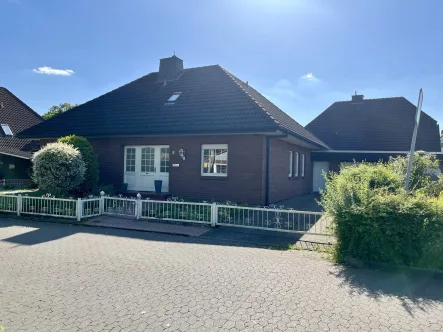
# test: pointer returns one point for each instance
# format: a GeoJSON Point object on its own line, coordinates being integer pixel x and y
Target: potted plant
{"type": "Point", "coordinates": [158, 186]}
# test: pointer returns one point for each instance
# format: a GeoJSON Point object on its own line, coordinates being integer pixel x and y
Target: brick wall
{"type": "Point", "coordinates": [244, 183]}
{"type": "Point", "coordinates": [246, 180]}
{"type": "Point", "coordinates": [281, 185]}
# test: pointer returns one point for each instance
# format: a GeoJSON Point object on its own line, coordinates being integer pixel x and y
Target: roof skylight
{"type": "Point", "coordinates": [174, 96]}
{"type": "Point", "coordinates": [7, 130]}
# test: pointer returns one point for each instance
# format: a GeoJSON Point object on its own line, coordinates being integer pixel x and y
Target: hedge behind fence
{"type": "Point", "coordinates": [376, 220]}
{"type": "Point", "coordinates": [90, 181]}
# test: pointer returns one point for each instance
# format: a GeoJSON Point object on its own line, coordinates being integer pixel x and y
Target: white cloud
{"type": "Point", "coordinates": [51, 71]}
{"type": "Point", "coordinates": [309, 77]}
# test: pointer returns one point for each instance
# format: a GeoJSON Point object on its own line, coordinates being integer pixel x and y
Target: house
{"type": "Point", "coordinates": [371, 130]}
{"type": "Point", "coordinates": [15, 153]}
{"type": "Point", "coordinates": [202, 131]}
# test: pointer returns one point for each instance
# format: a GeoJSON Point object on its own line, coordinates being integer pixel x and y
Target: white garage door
{"type": "Point", "coordinates": [318, 181]}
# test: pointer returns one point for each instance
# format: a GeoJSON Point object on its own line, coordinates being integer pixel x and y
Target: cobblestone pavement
{"type": "Point", "coordinates": [69, 278]}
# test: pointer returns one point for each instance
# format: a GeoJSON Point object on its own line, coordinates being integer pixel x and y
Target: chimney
{"type": "Point", "coordinates": [170, 68]}
{"type": "Point", "coordinates": [356, 99]}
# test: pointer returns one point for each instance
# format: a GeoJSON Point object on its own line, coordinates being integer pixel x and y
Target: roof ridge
{"type": "Point", "coordinates": [234, 78]}
{"type": "Point", "coordinates": [21, 102]}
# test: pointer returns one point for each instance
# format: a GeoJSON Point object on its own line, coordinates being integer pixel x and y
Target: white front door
{"type": "Point", "coordinates": [144, 165]}
{"type": "Point", "coordinates": [318, 181]}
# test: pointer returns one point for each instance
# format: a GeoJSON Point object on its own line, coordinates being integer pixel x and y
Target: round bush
{"type": "Point", "coordinates": [58, 168]}
{"type": "Point", "coordinates": [90, 181]}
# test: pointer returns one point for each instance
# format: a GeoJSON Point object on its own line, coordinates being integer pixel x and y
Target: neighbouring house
{"type": "Point", "coordinates": [202, 131]}
{"type": "Point", "coordinates": [370, 130]}
{"type": "Point", "coordinates": [15, 153]}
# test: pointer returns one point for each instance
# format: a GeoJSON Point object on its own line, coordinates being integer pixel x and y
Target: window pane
{"type": "Point", "coordinates": [164, 160]}
{"type": "Point", "coordinates": [290, 163]}
{"type": "Point", "coordinates": [130, 159]}
{"type": "Point", "coordinates": [296, 164]}
{"type": "Point", "coordinates": [303, 164]}
{"type": "Point", "coordinates": [147, 160]}
{"type": "Point", "coordinates": [215, 161]}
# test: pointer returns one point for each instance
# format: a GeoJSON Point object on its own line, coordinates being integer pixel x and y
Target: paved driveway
{"type": "Point", "coordinates": [69, 278]}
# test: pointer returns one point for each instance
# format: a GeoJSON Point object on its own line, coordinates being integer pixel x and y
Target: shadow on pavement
{"type": "Point", "coordinates": [414, 290]}
{"type": "Point", "coordinates": [226, 236]}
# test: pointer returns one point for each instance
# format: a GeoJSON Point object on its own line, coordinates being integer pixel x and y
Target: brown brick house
{"type": "Point", "coordinates": [370, 130]}
{"type": "Point", "coordinates": [202, 131]}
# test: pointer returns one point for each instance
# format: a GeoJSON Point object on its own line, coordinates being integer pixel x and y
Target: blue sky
{"type": "Point", "coordinates": [302, 54]}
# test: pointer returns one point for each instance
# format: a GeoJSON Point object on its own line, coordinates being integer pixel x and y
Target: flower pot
{"type": "Point", "coordinates": [158, 186]}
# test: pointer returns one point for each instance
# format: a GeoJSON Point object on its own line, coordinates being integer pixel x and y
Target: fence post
{"type": "Point", "coordinates": [214, 214]}
{"type": "Point", "coordinates": [138, 205]}
{"type": "Point", "coordinates": [79, 209]}
{"type": "Point", "coordinates": [19, 204]}
{"type": "Point", "coordinates": [101, 204]}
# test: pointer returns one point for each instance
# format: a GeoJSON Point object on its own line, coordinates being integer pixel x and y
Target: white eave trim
{"type": "Point", "coordinates": [370, 151]}
{"type": "Point", "coordinates": [14, 155]}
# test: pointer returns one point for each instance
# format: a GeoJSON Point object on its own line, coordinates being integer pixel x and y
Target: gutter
{"type": "Point", "coordinates": [268, 160]}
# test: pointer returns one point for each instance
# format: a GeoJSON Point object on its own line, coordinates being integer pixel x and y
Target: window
{"type": "Point", "coordinates": [164, 160]}
{"type": "Point", "coordinates": [6, 130]}
{"type": "Point", "coordinates": [214, 160]}
{"type": "Point", "coordinates": [296, 165]}
{"type": "Point", "coordinates": [130, 159]}
{"type": "Point", "coordinates": [148, 160]}
{"type": "Point", "coordinates": [174, 96]}
{"type": "Point", "coordinates": [11, 166]}
{"type": "Point", "coordinates": [291, 163]}
{"type": "Point", "coordinates": [302, 164]}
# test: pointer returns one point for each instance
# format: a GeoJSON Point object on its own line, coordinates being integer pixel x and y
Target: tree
{"type": "Point", "coordinates": [90, 182]}
{"type": "Point", "coordinates": [58, 109]}
{"type": "Point", "coordinates": [58, 168]}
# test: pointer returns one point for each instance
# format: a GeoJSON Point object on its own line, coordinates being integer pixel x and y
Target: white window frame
{"type": "Point", "coordinates": [291, 164]}
{"type": "Point", "coordinates": [7, 130]}
{"type": "Point", "coordinates": [212, 147]}
{"type": "Point", "coordinates": [296, 164]}
{"type": "Point", "coordinates": [303, 160]}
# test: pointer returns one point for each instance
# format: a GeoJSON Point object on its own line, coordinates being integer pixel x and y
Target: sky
{"type": "Point", "coordinates": [302, 54]}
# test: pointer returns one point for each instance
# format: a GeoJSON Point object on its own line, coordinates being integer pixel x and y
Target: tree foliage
{"type": "Point", "coordinates": [57, 109]}
{"type": "Point", "coordinates": [90, 181]}
{"type": "Point", "coordinates": [58, 168]}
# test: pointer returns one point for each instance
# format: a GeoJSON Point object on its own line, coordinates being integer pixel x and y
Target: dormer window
{"type": "Point", "coordinates": [7, 130]}
{"type": "Point", "coordinates": [174, 97]}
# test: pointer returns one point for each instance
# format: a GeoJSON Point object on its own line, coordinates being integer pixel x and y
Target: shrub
{"type": "Point", "coordinates": [90, 181]}
{"type": "Point", "coordinates": [377, 220]}
{"type": "Point", "coordinates": [421, 172]}
{"type": "Point", "coordinates": [58, 168]}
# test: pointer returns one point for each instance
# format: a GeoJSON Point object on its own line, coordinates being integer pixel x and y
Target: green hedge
{"type": "Point", "coordinates": [376, 220]}
{"type": "Point", "coordinates": [90, 181]}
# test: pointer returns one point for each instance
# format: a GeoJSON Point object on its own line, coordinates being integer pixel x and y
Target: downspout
{"type": "Point", "coordinates": [268, 161]}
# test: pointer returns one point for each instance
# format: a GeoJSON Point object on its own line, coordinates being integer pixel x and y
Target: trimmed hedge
{"type": "Point", "coordinates": [90, 181]}
{"type": "Point", "coordinates": [376, 220]}
{"type": "Point", "coordinates": [58, 168]}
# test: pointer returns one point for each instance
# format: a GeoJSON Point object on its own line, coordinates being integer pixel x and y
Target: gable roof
{"type": "Point", "coordinates": [18, 116]}
{"type": "Point", "coordinates": [383, 124]}
{"type": "Point", "coordinates": [211, 101]}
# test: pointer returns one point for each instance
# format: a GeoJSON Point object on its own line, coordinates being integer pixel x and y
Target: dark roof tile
{"type": "Point", "coordinates": [18, 116]}
{"type": "Point", "coordinates": [384, 124]}
{"type": "Point", "coordinates": [212, 101]}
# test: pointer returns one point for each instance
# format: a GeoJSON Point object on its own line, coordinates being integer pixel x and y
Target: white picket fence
{"type": "Point", "coordinates": [268, 218]}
